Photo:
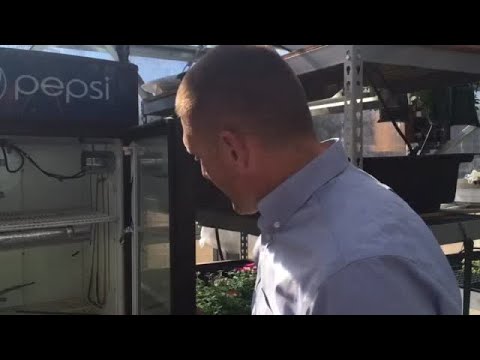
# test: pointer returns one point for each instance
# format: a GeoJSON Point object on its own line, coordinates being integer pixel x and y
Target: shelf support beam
{"type": "Point", "coordinates": [353, 88]}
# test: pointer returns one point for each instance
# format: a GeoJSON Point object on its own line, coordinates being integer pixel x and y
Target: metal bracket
{"type": "Point", "coordinates": [353, 88]}
{"type": "Point", "coordinates": [123, 53]}
{"type": "Point", "coordinates": [243, 245]}
{"type": "Point", "coordinates": [127, 151]}
{"type": "Point", "coordinates": [466, 132]}
{"type": "Point", "coordinates": [98, 162]}
{"type": "Point", "coordinates": [112, 51]}
{"type": "Point", "coordinates": [126, 231]}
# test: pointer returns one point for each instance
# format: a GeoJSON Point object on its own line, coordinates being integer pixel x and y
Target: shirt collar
{"type": "Point", "coordinates": [280, 204]}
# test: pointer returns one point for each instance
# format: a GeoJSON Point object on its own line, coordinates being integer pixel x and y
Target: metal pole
{"type": "Point", "coordinates": [353, 88]}
{"type": "Point", "coordinates": [123, 52]}
{"type": "Point", "coordinates": [467, 270]}
{"type": "Point", "coordinates": [243, 246]}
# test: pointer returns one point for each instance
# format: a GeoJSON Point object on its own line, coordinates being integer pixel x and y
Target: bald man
{"type": "Point", "coordinates": [334, 240]}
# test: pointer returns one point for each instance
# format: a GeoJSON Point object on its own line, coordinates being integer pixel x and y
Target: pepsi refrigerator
{"type": "Point", "coordinates": [96, 212]}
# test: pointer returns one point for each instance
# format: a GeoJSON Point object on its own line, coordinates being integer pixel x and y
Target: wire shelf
{"type": "Point", "coordinates": [19, 221]}
{"type": "Point", "coordinates": [475, 280]}
{"type": "Point", "coordinates": [405, 68]}
{"type": "Point", "coordinates": [59, 307]}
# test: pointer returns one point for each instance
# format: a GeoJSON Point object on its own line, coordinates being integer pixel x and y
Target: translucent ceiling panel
{"type": "Point", "coordinates": [153, 68]}
{"type": "Point", "coordinates": [21, 47]}
{"type": "Point", "coordinates": [92, 51]}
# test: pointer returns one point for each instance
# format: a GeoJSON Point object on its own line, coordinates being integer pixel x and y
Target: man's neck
{"type": "Point", "coordinates": [286, 162]}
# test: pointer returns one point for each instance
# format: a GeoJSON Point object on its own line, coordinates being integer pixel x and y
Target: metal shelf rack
{"type": "Point", "coordinates": [60, 307]}
{"type": "Point", "coordinates": [20, 221]}
{"type": "Point", "coordinates": [324, 70]}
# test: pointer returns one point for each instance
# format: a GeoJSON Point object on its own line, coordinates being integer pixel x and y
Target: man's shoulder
{"type": "Point", "coordinates": [357, 217]}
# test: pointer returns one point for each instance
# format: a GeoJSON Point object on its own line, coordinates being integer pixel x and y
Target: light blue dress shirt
{"type": "Point", "coordinates": [336, 241]}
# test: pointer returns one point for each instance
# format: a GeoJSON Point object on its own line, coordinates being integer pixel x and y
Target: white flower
{"type": "Point", "coordinates": [473, 177]}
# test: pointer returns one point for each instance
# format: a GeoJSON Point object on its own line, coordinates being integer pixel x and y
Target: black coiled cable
{"type": "Point", "coordinates": [24, 156]}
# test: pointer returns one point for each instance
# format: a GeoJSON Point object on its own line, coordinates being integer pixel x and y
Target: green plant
{"type": "Point", "coordinates": [425, 100]}
{"type": "Point", "coordinates": [227, 293]}
{"type": "Point", "coordinates": [477, 101]}
{"type": "Point", "coordinates": [476, 267]}
{"type": "Point", "coordinates": [460, 273]}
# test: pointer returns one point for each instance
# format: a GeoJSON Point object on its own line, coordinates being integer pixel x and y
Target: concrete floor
{"type": "Point", "coordinates": [475, 296]}
{"type": "Point", "coordinates": [474, 302]}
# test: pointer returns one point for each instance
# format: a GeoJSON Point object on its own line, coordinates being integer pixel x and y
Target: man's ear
{"type": "Point", "coordinates": [234, 148]}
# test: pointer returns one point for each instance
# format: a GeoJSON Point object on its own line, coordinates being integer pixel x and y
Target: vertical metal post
{"type": "Point", "coordinates": [353, 88]}
{"type": "Point", "coordinates": [243, 246]}
{"type": "Point", "coordinates": [123, 53]}
{"type": "Point", "coordinates": [182, 224]}
{"type": "Point", "coordinates": [135, 243]}
{"type": "Point", "coordinates": [123, 302]}
{"type": "Point", "coordinates": [467, 270]}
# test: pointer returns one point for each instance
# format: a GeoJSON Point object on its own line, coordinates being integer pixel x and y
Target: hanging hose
{"type": "Point", "coordinates": [92, 244]}
{"type": "Point", "coordinates": [384, 106]}
{"type": "Point", "coordinates": [92, 269]}
{"type": "Point", "coordinates": [26, 156]}
{"type": "Point", "coordinates": [104, 240]}
{"type": "Point", "coordinates": [98, 300]}
{"type": "Point", "coordinates": [426, 138]}
{"type": "Point", "coordinates": [12, 171]}
{"type": "Point", "coordinates": [220, 252]}
{"type": "Point", "coordinates": [101, 299]}
{"type": "Point", "coordinates": [107, 211]}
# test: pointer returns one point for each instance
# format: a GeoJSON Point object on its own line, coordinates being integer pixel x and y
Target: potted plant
{"type": "Point", "coordinates": [226, 292]}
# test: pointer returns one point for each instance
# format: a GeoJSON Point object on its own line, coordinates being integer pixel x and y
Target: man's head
{"type": "Point", "coordinates": [240, 107]}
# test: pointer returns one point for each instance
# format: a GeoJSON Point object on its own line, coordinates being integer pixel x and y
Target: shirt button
{"type": "Point", "coordinates": [276, 225]}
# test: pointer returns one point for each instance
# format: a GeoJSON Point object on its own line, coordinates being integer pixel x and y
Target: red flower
{"type": "Point", "coordinates": [248, 267]}
{"type": "Point", "coordinates": [232, 293]}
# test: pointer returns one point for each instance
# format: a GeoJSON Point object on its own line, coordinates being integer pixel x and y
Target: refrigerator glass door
{"type": "Point", "coordinates": [151, 288]}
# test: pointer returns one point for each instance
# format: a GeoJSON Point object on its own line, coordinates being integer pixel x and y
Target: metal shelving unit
{"type": "Point", "coordinates": [61, 307]}
{"type": "Point", "coordinates": [41, 220]}
{"type": "Point", "coordinates": [325, 69]}
{"type": "Point", "coordinates": [31, 229]}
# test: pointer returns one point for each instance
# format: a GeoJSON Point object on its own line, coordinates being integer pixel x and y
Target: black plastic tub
{"type": "Point", "coordinates": [424, 182]}
{"type": "Point", "coordinates": [223, 267]}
